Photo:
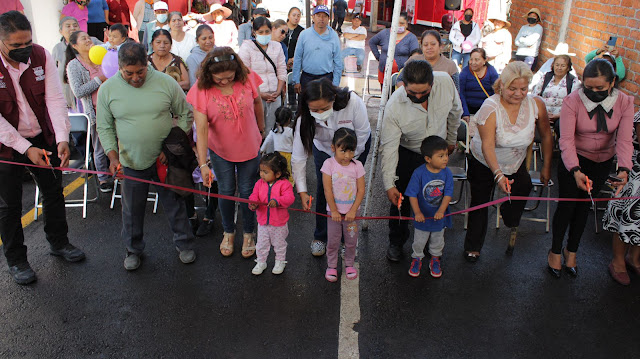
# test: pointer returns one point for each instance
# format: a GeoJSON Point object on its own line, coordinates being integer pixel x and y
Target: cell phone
{"type": "Point", "coordinates": [612, 42]}
{"type": "Point", "coordinates": [614, 179]}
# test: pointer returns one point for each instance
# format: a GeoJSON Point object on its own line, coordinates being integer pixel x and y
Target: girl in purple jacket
{"type": "Point", "coordinates": [274, 189]}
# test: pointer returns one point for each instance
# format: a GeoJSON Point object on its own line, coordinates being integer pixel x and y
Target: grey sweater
{"type": "Point", "coordinates": [83, 86]}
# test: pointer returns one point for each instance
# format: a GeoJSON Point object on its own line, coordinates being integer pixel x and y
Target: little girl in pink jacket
{"type": "Point", "coordinates": [272, 188]}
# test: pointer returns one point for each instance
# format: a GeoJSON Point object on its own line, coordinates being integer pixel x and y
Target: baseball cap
{"type": "Point", "coordinates": [160, 5]}
{"type": "Point", "coordinates": [321, 8]}
{"type": "Point", "coordinates": [260, 11]}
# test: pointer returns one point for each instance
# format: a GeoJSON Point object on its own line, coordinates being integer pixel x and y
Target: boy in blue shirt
{"type": "Point", "coordinates": [430, 190]}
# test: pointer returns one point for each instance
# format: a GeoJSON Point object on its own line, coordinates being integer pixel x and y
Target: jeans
{"type": "Point", "coordinates": [134, 203]}
{"type": "Point", "coordinates": [99, 157]}
{"type": "Point", "coordinates": [458, 57]}
{"type": "Point", "coordinates": [482, 185]}
{"type": "Point", "coordinates": [319, 157]}
{"type": "Point", "coordinates": [351, 51]}
{"type": "Point", "coordinates": [55, 220]}
{"type": "Point", "coordinates": [573, 215]}
{"type": "Point", "coordinates": [247, 175]}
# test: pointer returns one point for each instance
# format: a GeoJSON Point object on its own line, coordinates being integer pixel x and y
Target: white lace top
{"type": "Point", "coordinates": [512, 140]}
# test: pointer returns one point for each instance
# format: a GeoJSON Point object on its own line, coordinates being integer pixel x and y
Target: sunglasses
{"type": "Point", "coordinates": [283, 32]}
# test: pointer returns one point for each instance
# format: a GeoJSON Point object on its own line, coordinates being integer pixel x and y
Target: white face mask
{"type": "Point", "coordinates": [321, 117]}
{"type": "Point", "coordinates": [401, 29]}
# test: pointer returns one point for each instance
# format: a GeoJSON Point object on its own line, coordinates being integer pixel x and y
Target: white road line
{"type": "Point", "coordinates": [349, 316]}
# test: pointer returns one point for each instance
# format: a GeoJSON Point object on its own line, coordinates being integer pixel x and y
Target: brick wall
{"type": "Point", "coordinates": [590, 25]}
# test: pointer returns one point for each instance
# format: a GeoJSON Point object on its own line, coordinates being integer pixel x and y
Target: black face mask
{"type": "Point", "coordinates": [532, 20]}
{"type": "Point", "coordinates": [596, 96]}
{"type": "Point", "coordinates": [415, 99]}
{"type": "Point", "coordinates": [21, 54]}
{"type": "Point", "coordinates": [468, 17]}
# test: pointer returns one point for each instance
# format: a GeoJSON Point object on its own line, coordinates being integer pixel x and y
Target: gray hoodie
{"type": "Point", "coordinates": [193, 63]}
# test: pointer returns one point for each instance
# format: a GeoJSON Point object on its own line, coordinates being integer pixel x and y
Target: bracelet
{"type": "Point", "coordinates": [498, 175]}
{"type": "Point", "coordinates": [203, 165]}
{"type": "Point", "coordinates": [496, 171]}
{"type": "Point", "coordinates": [499, 179]}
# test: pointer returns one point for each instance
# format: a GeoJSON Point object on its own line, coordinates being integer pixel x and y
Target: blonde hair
{"type": "Point", "coordinates": [514, 70]}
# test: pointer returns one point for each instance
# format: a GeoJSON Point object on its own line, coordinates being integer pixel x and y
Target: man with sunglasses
{"type": "Point", "coordinates": [428, 100]}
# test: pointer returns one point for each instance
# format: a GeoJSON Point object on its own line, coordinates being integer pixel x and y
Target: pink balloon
{"type": "Point", "coordinates": [110, 63]}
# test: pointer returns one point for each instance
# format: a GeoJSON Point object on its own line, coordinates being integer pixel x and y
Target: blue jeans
{"type": "Point", "coordinates": [350, 51]}
{"type": "Point", "coordinates": [247, 175]}
{"type": "Point", "coordinates": [458, 57]}
{"type": "Point", "coordinates": [319, 157]}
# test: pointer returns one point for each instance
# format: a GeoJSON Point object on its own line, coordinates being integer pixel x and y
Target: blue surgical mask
{"type": "Point", "coordinates": [263, 39]}
{"type": "Point", "coordinates": [162, 18]}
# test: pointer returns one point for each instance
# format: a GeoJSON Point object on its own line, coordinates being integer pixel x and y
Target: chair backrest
{"type": "Point", "coordinates": [463, 135]}
{"type": "Point", "coordinates": [79, 122]}
{"type": "Point", "coordinates": [394, 81]}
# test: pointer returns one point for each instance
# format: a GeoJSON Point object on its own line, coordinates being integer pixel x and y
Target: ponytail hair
{"type": "Point", "coordinates": [70, 53]}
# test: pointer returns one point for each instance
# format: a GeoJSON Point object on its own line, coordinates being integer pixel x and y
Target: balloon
{"type": "Point", "coordinates": [467, 46]}
{"type": "Point", "coordinates": [110, 63]}
{"type": "Point", "coordinates": [96, 54]}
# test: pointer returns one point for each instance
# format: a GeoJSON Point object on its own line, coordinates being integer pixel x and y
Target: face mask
{"type": "Point", "coordinates": [263, 39]}
{"type": "Point", "coordinates": [468, 17]}
{"type": "Point", "coordinates": [162, 18]}
{"type": "Point", "coordinates": [81, 2]}
{"type": "Point", "coordinates": [219, 18]}
{"type": "Point", "coordinates": [596, 96]}
{"type": "Point", "coordinates": [21, 55]}
{"type": "Point", "coordinates": [321, 117]}
{"type": "Point", "coordinates": [415, 99]}
{"type": "Point", "coordinates": [401, 29]}
{"type": "Point", "coordinates": [532, 20]}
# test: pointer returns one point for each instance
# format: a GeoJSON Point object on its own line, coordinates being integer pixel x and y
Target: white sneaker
{"type": "Point", "coordinates": [279, 267]}
{"type": "Point", "coordinates": [259, 268]}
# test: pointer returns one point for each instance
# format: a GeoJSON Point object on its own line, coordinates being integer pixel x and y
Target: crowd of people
{"type": "Point", "coordinates": [196, 85]}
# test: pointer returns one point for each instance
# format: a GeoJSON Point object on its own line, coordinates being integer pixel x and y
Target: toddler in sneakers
{"type": "Point", "coordinates": [274, 189]}
{"type": "Point", "coordinates": [430, 190]}
{"type": "Point", "coordinates": [343, 179]}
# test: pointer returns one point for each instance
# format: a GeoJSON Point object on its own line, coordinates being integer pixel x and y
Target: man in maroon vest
{"type": "Point", "coordinates": [33, 121]}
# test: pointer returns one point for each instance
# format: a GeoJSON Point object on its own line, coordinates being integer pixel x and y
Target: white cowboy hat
{"type": "Point", "coordinates": [561, 49]}
{"type": "Point", "coordinates": [501, 17]}
{"type": "Point", "coordinates": [226, 12]}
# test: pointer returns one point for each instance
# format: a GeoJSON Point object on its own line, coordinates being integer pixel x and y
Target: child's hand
{"type": "Point", "coordinates": [253, 206]}
{"type": "Point", "coordinates": [419, 217]}
{"type": "Point", "coordinates": [272, 204]}
{"type": "Point", "coordinates": [350, 216]}
{"type": "Point", "coordinates": [439, 215]}
{"type": "Point", "coordinates": [336, 217]}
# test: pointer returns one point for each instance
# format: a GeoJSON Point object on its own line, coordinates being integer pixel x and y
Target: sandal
{"type": "Point", "coordinates": [248, 245]}
{"type": "Point", "coordinates": [331, 275]}
{"type": "Point", "coordinates": [226, 247]}
{"type": "Point", "coordinates": [352, 273]}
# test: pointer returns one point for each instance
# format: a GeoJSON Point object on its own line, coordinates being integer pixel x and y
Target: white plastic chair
{"type": "Point", "coordinates": [153, 197]}
{"type": "Point", "coordinates": [80, 124]}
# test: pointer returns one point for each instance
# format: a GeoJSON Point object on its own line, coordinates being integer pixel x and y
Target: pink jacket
{"type": "Point", "coordinates": [282, 192]}
{"type": "Point", "coordinates": [578, 134]}
{"type": "Point", "coordinates": [253, 58]}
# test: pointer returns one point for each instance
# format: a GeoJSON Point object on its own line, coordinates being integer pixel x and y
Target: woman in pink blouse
{"type": "Point", "coordinates": [596, 123]}
{"type": "Point", "coordinates": [229, 118]}
{"type": "Point", "coordinates": [271, 68]}
{"type": "Point", "coordinates": [77, 9]}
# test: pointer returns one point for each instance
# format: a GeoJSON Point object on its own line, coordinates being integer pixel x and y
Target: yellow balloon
{"type": "Point", "coordinates": [96, 54]}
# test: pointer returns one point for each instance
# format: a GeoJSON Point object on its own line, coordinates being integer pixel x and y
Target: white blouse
{"type": "Point", "coordinates": [553, 94]}
{"type": "Point", "coordinates": [183, 48]}
{"type": "Point", "coordinates": [512, 140]}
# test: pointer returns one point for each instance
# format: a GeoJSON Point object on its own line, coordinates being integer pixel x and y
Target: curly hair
{"type": "Point", "coordinates": [221, 59]}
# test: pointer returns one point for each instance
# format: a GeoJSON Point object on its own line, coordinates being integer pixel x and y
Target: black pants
{"type": "Point", "coordinates": [245, 15]}
{"type": "Point", "coordinates": [522, 58]}
{"type": "Point", "coordinates": [96, 29]}
{"type": "Point", "coordinates": [482, 186]}
{"type": "Point", "coordinates": [305, 78]}
{"type": "Point", "coordinates": [337, 24]}
{"type": "Point", "coordinates": [408, 161]}
{"type": "Point", "coordinates": [573, 215]}
{"type": "Point", "coordinates": [55, 220]}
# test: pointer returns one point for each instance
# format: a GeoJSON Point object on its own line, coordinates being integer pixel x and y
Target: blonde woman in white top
{"type": "Point", "coordinates": [505, 126]}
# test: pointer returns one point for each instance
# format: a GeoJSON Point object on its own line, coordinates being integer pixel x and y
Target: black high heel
{"type": "Point", "coordinates": [573, 271]}
{"type": "Point", "coordinates": [554, 272]}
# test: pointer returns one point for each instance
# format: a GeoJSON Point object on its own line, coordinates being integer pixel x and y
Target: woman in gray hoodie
{"type": "Point", "coordinates": [205, 40]}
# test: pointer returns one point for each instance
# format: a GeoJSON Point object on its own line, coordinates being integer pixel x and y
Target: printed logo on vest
{"type": "Point", "coordinates": [3, 85]}
{"type": "Point", "coordinates": [39, 73]}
